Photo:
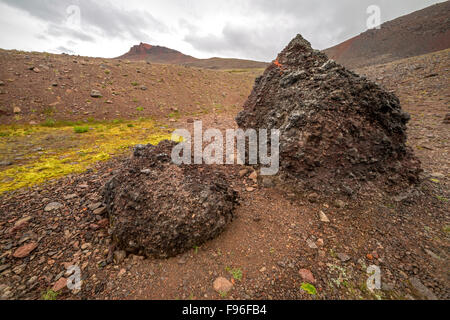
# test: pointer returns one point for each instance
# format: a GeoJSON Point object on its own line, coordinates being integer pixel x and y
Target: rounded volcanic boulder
{"type": "Point", "coordinates": [159, 209]}
{"type": "Point", "coordinates": [338, 130]}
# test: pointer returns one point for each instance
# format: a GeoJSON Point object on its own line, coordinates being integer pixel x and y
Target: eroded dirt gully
{"type": "Point", "coordinates": [274, 236]}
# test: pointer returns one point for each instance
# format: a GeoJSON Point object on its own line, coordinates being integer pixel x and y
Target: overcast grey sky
{"type": "Point", "coordinates": [252, 29]}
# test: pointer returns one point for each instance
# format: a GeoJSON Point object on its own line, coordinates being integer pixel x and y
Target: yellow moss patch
{"type": "Point", "coordinates": [72, 152]}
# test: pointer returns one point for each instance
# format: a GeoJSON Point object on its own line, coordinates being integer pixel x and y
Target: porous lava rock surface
{"type": "Point", "coordinates": [338, 130]}
{"type": "Point", "coordinates": [159, 209]}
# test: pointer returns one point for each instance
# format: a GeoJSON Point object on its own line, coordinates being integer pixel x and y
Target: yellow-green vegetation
{"type": "Point", "coordinates": [309, 288]}
{"type": "Point", "coordinates": [49, 123]}
{"type": "Point", "coordinates": [196, 248]}
{"type": "Point", "coordinates": [236, 273]}
{"type": "Point", "coordinates": [50, 295]}
{"type": "Point", "coordinates": [51, 152]}
{"type": "Point", "coordinates": [446, 229]}
{"type": "Point", "coordinates": [175, 115]}
{"type": "Point", "coordinates": [81, 129]}
{"type": "Point", "coordinates": [253, 70]}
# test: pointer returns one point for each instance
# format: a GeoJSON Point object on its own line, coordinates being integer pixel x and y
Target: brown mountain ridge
{"type": "Point", "coordinates": [163, 55]}
{"type": "Point", "coordinates": [418, 33]}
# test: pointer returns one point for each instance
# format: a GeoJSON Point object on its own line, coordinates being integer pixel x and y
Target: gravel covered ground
{"type": "Point", "coordinates": [277, 242]}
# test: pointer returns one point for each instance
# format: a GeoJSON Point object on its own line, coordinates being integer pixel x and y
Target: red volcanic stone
{"type": "Point", "coordinates": [25, 250]}
{"type": "Point", "coordinates": [307, 276]}
{"type": "Point", "coordinates": [60, 284]}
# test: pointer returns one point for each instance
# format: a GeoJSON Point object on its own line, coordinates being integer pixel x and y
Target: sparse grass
{"type": "Point", "coordinates": [49, 123]}
{"type": "Point", "coordinates": [446, 229]}
{"type": "Point", "coordinates": [333, 254]}
{"type": "Point", "coordinates": [254, 70]}
{"type": "Point", "coordinates": [236, 273]}
{"type": "Point", "coordinates": [48, 111]}
{"type": "Point", "coordinates": [140, 109]}
{"type": "Point", "coordinates": [342, 277]}
{"type": "Point", "coordinates": [81, 129]}
{"type": "Point", "coordinates": [50, 295]}
{"type": "Point", "coordinates": [175, 115]}
{"type": "Point", "coordinates": [237, 70]}
{"type": "Point", "coordinates": [390, 205]}
{"type": "Point", "coordinates": [196, 248]}
{"type": "Point", "coordinates": [134, 84]}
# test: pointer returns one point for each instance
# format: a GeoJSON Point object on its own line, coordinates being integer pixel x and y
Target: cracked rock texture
{"type": "Point", "coordinates": [159, 209]}
{"type": "Point", "coordinates": [339, 130]}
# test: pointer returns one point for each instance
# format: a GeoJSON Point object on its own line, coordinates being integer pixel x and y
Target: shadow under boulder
{"type": "Point", "coordinates": [159, 209]}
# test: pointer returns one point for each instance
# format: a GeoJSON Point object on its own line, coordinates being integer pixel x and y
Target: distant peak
{"type": "Point", "coordinates": [145, 45]}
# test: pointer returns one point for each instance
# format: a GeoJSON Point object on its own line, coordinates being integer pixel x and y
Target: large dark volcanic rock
{"type": "Point", "coordinates": [338, 130]}
{"type": "Point", "coordinates": [159, 209]}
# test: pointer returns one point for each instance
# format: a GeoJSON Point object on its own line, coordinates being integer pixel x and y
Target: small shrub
{"type": "Point", "coordinates": [175, 115]}
{"type": "Point", "coordinates": [236, 273]}
{"type": "Point", "coordinates": [49, 123]}
{"type": "Point", "coordinates": [48, 111]}
{"type": "Point", "coordinates": [81, 129]}
{"type": "Point", "coordinates": [50, 295]}
{"type": "Point", "coordinates": [196, 249]}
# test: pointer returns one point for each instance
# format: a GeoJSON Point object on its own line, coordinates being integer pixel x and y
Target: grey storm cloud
{"type": "Point", "coordinates": [96, 18]}
{"type": "Point", "coordinates": [65, 50]}
{"type": "Point", "coordinates": [324, 23]}
{"type": "Point", "coordinates": [252, 29]}
{"type": "Point", "coordinates": [62, 31]}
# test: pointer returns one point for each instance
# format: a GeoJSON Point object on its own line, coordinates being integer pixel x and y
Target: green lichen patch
{"type": "Point", "coordinates": [39, 154]}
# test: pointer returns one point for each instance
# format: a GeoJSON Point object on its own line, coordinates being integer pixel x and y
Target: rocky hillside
{"type": "Point", "coordinates": [418, 33]}
{"type": "Point", "coordinates": [156, 54]}
{"type": "Point", "coordinates": [41, 87]}
{"type": "Point", "coordinates": [163, 55]}
{"type": "Point", "coordinates": [312, 247]}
